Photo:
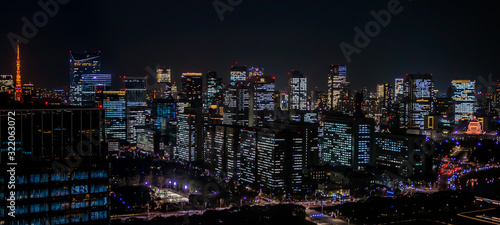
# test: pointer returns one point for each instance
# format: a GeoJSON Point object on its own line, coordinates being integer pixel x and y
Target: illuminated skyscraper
{"type": "Point", "coordinates": [399, 89]}
{"type": "Point", "coordinates": [92, 85]}
{"type": "Point", "coordinates": [237, 103]}
{"type": "Point", "coordinates": [238, 73]}
{"type": "Point", "coordinates": [115, 115]}
{"type": "Point", "coordinates": [79, 64]}
{"type": "Point", "coordinates": [191, 89]}
{"type": "Point", "coordinates": [261, 108]}
{"type": "Point", "coordinates": [189, 135]}
{"type": "Point", "coordinates": [164, 84]}
{"type": "Point", "coordinates": [336, 77]}
{"type": "Point", "coordinates": [214, 87]}
{"type": "Point", "coordinates": [348, 141]}
{"type": "Point", "coordinates": [282, 156]}
{"type": "Point", "coordinates": [386, 102]}
{"type": "Point", "coordinates": [393, 150]}
{"type": "Point", "coordinates": [255, 72]}
{"type": "Point", "coordinates": [248, 149]}
{"type": "Point", "coordinates": [164, 75]}
{"type": "Point", "coordinates": [284, 100]}
{"type": "Point", "coordinates": [380, 92]}
{"type": "Point", "coordinates": [164, 112]}
{"type": "Point", "coordinates": [135, 88]}
{"type": "Point", "coordinates": [298, 91]}
{"type": "Point", "coordinates": [420, 99]}
{"type": "Point", "coordinates": [465, 98]}
{"type": "Point", "coordinates": [29, 92]}
{"type": "Point", "coordinates": [49, 189]}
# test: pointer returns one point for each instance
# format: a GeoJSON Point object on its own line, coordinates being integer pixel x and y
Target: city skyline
{"type": "Point", "coordinates": [125, 52]}
{"type": "Point", "coordinates": [249, 112]}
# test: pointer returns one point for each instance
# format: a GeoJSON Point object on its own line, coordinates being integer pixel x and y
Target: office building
{"type": "Point", "coordinates": [255, 72]}
{"type": "Point", "coordinates": [399, 89]}
{"type": "Point", "coordinates": [298, 91]}
{"type": "Point", "coordinates": [336, 77]}
{"type": "Point", "coordinates": [79, 64]}
{"type": "Point", "coordinates": [163, 84]}
{"type": "Point", "coordinates": [248, 149]}
{"type": "Point", "coordinates": [191, 89]}
{"type": "Point", "coordinates": [136, 96]}
{"type": "Point", "coordinates": [348, 141]}
{"type": "Point", "coordinates": [236, 104]}
{"type": "Point", "coordinates": [419, 99]}
{"type": "Point", "coordinates": [136, 90]}
{"type": "Point", "coordinates": [164, 112]}
{"type": "Point", "coordinates": [164, 75]}
{"type": "Point", "coordinates": [238, 73]}
{"type": "Point", "coordinates": [115, 115]}
{"type": "Point", "coordinates": [261, 102]}
{"type": "Point", "coordinates": [189, 135]}
{"type": "Point", "coordinates": [464, 96]}
{"type": "Point", "coordinates": [92, 85]}
{"type": "Point", "coordinates": [226, 148]}
{"type": "Point", "coordinates": [48, 188]}
{"type": "Point", "coordinates": [214, 87]}
{"type": "Point", "coordinates": [393, 153]}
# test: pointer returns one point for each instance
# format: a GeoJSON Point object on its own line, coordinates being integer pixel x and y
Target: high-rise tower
{"type": "Point", "coordinates": [337, 77]}
{"type": "Point", "coordinates": [19, 89]}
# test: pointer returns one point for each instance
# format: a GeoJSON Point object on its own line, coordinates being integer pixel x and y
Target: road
{"type": "Point", "coordinates": [152, 215]}
{"type": "Point", "coordinates": [323, 219]}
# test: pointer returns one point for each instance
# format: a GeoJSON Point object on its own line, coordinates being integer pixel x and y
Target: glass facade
{"type": "Point", "coordinates": [115, 115]}
{"type": "Point", "coordinates": [336, 77]}
{"type": "Point", "coordinates": [420, 99]}
{"type": "Point", "coordinates": [298, 91]}
{"type": "Point", "coordinates": [91, 86]}
{"type": "Point", "coordinates": [81, 63]}
{"type": "Point", "coordinates": [49, 190]}
{"type": "Point", "coordinates": [465, 97]}
{"type": "Point", "coordinates": [191, 89]}
{"type": "Point", "coordinates": [347, 141]}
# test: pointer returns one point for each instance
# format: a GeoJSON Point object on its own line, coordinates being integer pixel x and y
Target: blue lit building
{"type": "Point", "coordinates": [79, 64]}
{"type": "Point", "coordinates": [274, 160]}
{"type": "Point", "coordinates": [261, 102]}
{"type": "Point", "coordinates": [115, 115]}
{"type": "Point", "coordinates": [248, 149]}
{"type": "Point", "coordinates": [189, 135]}
{"type": "Point", "coordinates": [214, 87]}
{"type": "Point", "coordinates": [419, 100]}
{"type": "Point", "coordinates": [464, 96]}
{"type": "Point", "coordinates": [298, 91]}
{"type": "Point", "coordinates": [237, 103]}
{"type": "Point", "coordinates": [393, 152]}
{"type": "Point", "coordinates": [51, 188]}
{"type": "Point", "coordinates": [348, 141]}
{"type": "Point", "coordinates": [135, 88]}
{"type": "Point", "coordinates": [92, 85]}
{"type": "Point", "coordinates": [238, 73]}
{"type": "Point", "coordinates": [164, 111]}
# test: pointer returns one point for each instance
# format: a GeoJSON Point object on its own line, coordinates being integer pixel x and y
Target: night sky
{"type": "Point", "coordinates": [450, 39]}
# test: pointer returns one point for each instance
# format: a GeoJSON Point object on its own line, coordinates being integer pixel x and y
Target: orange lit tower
{"type": "Point", "coordinates": [18, 76]}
